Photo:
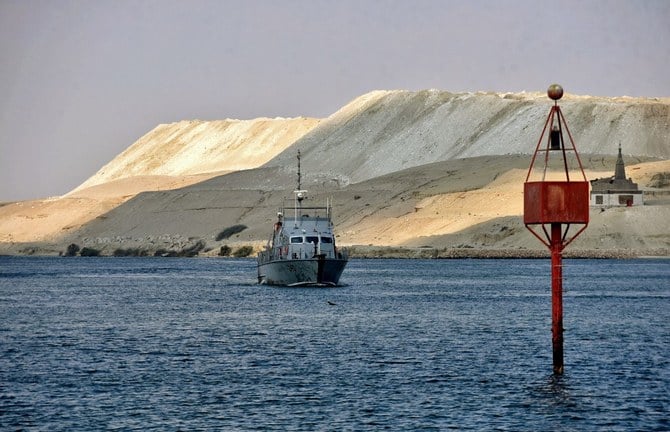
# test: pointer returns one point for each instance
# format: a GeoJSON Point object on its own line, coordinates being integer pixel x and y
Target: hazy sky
{"type": "Point", "coordinates": [82, 80]}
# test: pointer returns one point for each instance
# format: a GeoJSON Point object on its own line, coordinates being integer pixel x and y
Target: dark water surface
{"type": "Point", "coordinates": [195, 344]}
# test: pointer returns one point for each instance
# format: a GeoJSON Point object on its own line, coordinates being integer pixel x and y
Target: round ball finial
{"type": "Point", "coordinates": [555, 91]}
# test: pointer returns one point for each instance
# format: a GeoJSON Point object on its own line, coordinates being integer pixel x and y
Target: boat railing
{"type": "Point", "coordinates": [312, 211]}
{"type": "Point", "coordinates": [280, 254]}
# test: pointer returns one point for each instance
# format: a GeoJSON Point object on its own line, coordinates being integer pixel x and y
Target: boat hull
{"type": "Point", "coordinates": [301, 272]}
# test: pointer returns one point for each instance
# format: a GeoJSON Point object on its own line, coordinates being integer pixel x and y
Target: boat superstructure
{"type": "Point", "coordinates": [302, 248]}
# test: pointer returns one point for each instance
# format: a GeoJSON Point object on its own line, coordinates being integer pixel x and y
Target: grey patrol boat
{"type": "Point", "coordinates": [302, 250]}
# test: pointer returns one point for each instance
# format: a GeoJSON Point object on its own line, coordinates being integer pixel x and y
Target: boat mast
{"type": "Point", "coordinates": [299, 195]}
{"type": "Point", "coordinates": [298, 169]}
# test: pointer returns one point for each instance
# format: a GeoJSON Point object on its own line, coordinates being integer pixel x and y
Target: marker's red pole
{"type": "Point", "coordinates": [557, 297]}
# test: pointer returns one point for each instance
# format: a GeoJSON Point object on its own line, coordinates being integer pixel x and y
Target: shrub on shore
{"type": "Point", "coordinates": [193, 250]}
{"type": "Point", "coordinates": [89, 252]}
{"type": "Point", "coordinates": [130, 252]}
{"type": "Point", "coordinates": [243, 252]}
{"type": "Point", "coordinates": [72, 250]}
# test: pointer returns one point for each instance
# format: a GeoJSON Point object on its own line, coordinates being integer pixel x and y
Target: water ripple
{"type": "Point", "coordinates": [194, 344]}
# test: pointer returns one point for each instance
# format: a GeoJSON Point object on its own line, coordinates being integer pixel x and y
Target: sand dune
{"type": "Point", "coordinates": [196, 147]}
{"type": "Point", "coordinates": [409, 169]}
{"type": "Point", "coordinates": [387, 131]}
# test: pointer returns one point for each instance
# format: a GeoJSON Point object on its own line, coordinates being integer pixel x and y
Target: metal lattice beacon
{"type": "Point", "coordinates": [556, 206]}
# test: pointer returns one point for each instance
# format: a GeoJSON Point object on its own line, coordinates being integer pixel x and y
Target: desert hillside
{"type": "Point", "coordinates": [170, 156]}
{"type": "Point", "coordinates": [424, 169]}
{"type": "Point", "coordinates": [198, 147]}
{"type": "Point", "coordinates": [387, 131]}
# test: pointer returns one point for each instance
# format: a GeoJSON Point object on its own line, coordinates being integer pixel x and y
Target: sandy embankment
{"type": "Point", "coordinates": [406, 169]}
{"type": "Point", "coordinates": [472, 214]}
{"type": "Point", "coordinates": [491, 218]}
{"type": "Point", "coordinates": [171, 156]}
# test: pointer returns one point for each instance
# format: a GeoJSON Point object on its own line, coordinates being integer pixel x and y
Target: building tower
{"type": "Point", "coordinates": [615, 191]}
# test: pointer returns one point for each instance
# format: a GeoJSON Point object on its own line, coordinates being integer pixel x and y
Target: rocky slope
{"type": "Point", "coordinates": [412, 169]}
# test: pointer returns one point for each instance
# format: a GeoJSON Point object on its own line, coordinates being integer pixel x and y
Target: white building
{"type": "Point", "coordinates": [616, 190]}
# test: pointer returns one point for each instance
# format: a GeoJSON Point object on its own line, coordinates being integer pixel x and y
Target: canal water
{"type": "Point", "coordinates": [195, 344]}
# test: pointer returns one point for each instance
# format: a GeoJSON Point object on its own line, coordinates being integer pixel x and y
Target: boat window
{"type": "Point", "coordinates": [326, 239]}
{"type": "Point", "coordinates": [311, 239]}
{"type": "Point", "coordinates": [296, 239]}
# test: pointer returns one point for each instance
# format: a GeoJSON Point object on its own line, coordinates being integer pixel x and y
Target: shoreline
{"type": "Point", "coordinates": [466, 253]}
{"type": "Point", "coordinates": [374, 252]}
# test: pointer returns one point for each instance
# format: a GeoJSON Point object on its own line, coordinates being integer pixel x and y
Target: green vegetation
{"type": "Point", "coordinates": [193, 250]}
{"type": "Point", "coordinates": [130, 252]}
{"type": "Point", "coordinates": [71, 250]}
{"type": "Point", "coordinates": [89, 252]}
{"type": "Point", "coordinates": [225, 250]}
{"type": "Point", "coordinates": [243, 252]}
